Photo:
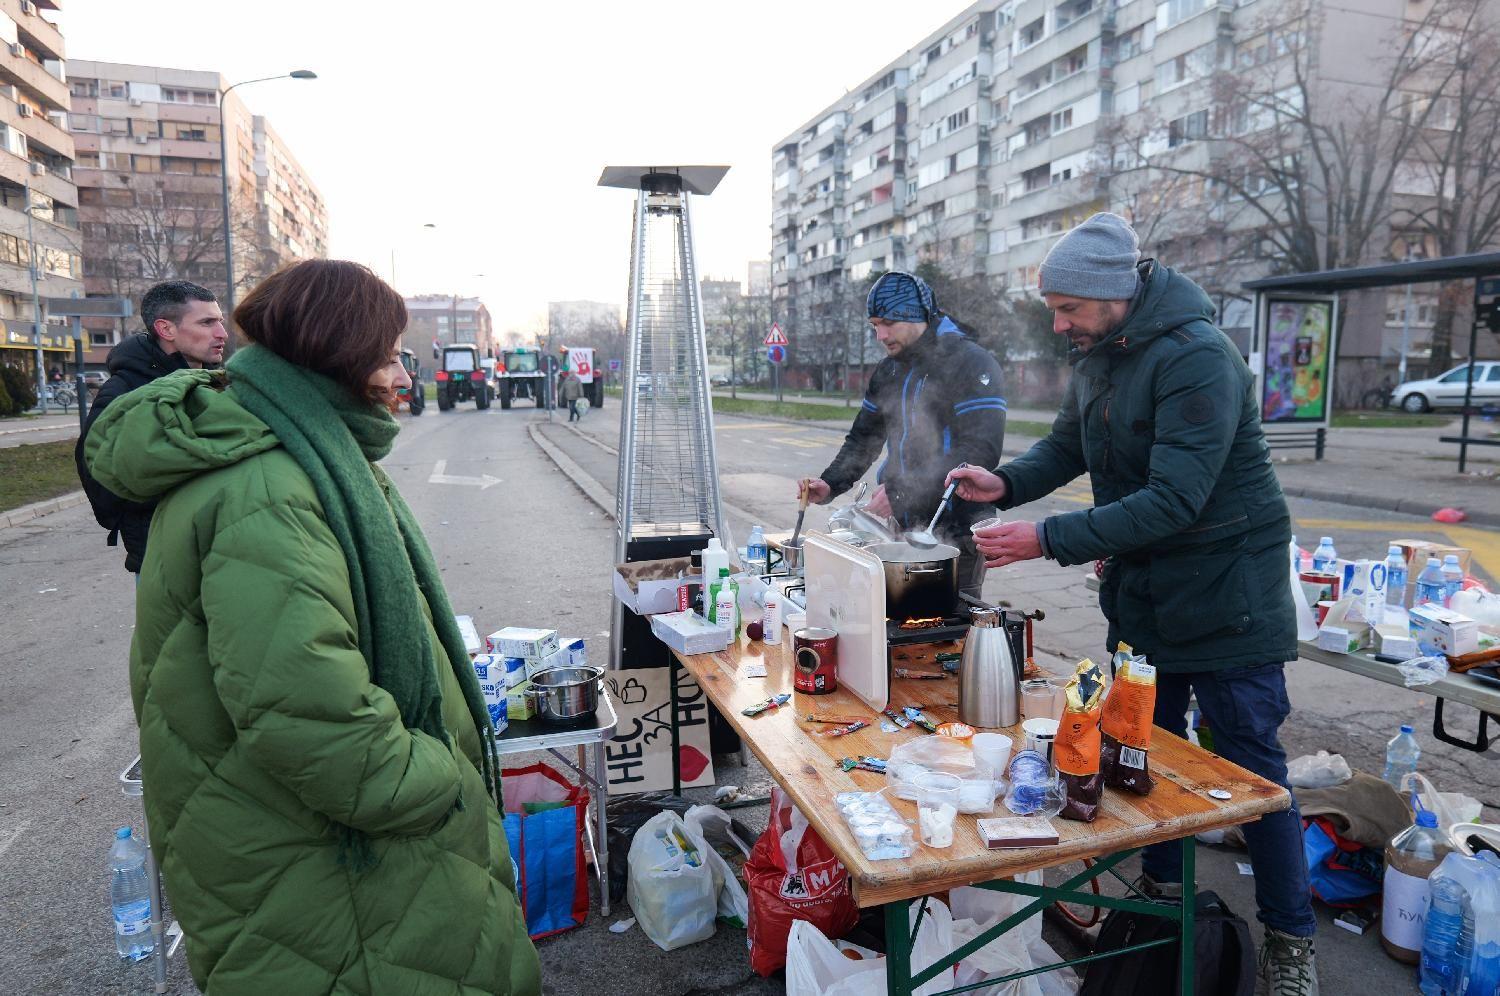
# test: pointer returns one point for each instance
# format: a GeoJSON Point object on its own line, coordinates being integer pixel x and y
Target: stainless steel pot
{"type": "Point", "coordinates": [565, 694]}
{"type": "Point", "coordinates": [919, 583]}
{"type": "Point", "coordinates": [791, 555]}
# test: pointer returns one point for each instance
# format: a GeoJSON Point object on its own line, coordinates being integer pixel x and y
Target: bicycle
{"type": "Point", "coordinates": [61, 394]}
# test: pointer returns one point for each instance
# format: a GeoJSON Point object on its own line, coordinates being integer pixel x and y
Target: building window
{"type": "Point", "coordinates": [113, 89]}
{"type": "Point", "coordinates": [958, 120]}
{"type": "Point", "coordinates": [1062, 120]}
{"type": "Point", "coordinates": [1172, 12]}
{"type": "Point", "coordinates": [114, 126]}
{"type": "Point", "coordinates": [80, 87]}
{"type": "Point", "coordinates": [115, 160]}
{"type": "Point", "coordinates": [86, 159]}
{"type": "Point", "coordinates": [147, 164]}
{"type": "Point", "coordinates": [1031, 34]}
{"type": "Point", "coordinates": [1189, 128]}
{"type": "Point", "coordinates": [83, 122]}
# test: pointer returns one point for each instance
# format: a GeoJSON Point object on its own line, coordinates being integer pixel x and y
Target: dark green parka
{"type": "Point", "coordinates": [1162, 415]}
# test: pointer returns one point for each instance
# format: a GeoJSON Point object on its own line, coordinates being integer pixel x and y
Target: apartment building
{"type": "Point", "coordinates": [437, 320]}
{"type": "Point", "coordinates": [1016, 120]}
{"type": "Point", "coordinates": [36, 171]}
{"type": "Point", "coordinates": [150, 178]}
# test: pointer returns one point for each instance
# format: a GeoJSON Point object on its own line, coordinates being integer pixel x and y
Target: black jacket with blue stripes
{"type": "Point", "coordinates": [934, 406]}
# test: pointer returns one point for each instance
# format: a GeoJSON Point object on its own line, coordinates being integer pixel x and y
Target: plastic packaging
{"type": "Point", "coordinates": [1453, 578]}
{"type": "Point", "coordinates": [1479, 605]}
{"type": "Point", "coordinates": [910, 760]}
{"type": "Point", "coordinates": [1395, 576]}
{"type": "Point", "coordinates": [1461, 936]}
{"type": "Point", "coordinates": [1034, 787]}
{"type": "Point", "coordinates": [1320, 770]}
{"type": "Point", "coordinates": [1125, 747]}
{"type": "Point", "coordinates": [1324, 557]}
{"type": "Point", "coordinates": [1429, 584]}
{"type": "Point", "coordinates": [1402, 752]}
{"type": "Point", "coordinates": [671, 888]}
{"type": "Point", "coordinates": [1409, 858]}
{"type": "Point", "coordinates": [878, 829]}
{"type": "Point", "coordinates": [130, 896]}
{"type": "Point", "coordinates": [724, 602]}
{"type": "Point", "coordinates": [1423, 670]}
{"type": "Point", "coordinates": [1076, 752]}
{"type": "Point", "coordinates": [715, 558]}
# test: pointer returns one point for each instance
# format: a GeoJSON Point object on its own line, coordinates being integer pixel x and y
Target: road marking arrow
{"type": "Point", "coordinates": [439, 476]}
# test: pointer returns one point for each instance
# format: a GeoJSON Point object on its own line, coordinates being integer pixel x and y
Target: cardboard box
{"type": "Point", "coordinates": [690, 633]}
{"type": "Point", "coordinates": [647, 587]}
{"type": "Point", "coordinates": [1027, 831]}
{"type": "Point", "coordinates": [1440, 630]}
{"type": "Point", "coordinates": [577, 650]}
{"type": "Point", "coordinates": [534, 665]}
{"type": "Point", "coordinates": [491, 673]}
{"type": "Point", "coordinates": [1342, 639]}
{"type": "Point", "coordinates": [1416, 553]}
{"type": "Point", "coordinates": [513, 671]}
{"type": "Point", "coordinates": [521, 641]}
{"type": "Point", "coordinates": [469, 633]}
{"type": "Point", "coordinates": [518, 703]}
{"type": "Point", "coordinates": [1395, 640]}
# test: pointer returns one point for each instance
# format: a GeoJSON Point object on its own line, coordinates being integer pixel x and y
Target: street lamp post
{"type": "Point", "coordinates": [296, 74]}
{"type": "Point", "coordinates": [36, 307]}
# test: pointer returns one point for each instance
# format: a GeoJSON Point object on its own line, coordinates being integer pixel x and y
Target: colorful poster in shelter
{"type": "Point", "coordinates": [1299, 342]}
{"type": "Point", "coordinates": [639, 757]}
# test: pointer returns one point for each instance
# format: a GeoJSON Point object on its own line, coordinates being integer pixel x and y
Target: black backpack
{"type": "Point", "coordinates": [1224, 955]}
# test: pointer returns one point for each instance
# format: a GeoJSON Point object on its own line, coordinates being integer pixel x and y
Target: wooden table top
{"type": "Point", "coordinates": [806, 768]}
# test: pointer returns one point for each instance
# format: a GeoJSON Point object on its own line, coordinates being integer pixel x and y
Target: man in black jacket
{"type": "Point", "coordinates": [934, 402]}
{"type": "Point", "coordinates": [184, 328]}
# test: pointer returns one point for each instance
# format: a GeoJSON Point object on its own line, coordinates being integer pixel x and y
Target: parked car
{"type": "Point", "coordinates": [1447, 390]}
{"type": "Point", "coordinates": [94, 379]}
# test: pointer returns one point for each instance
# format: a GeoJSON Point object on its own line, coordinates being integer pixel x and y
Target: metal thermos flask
{"type": "Point", "coordinates": [989, 687]}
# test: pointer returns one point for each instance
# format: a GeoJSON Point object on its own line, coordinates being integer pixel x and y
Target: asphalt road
{"type": "Point", "coordinates": [529, 548]}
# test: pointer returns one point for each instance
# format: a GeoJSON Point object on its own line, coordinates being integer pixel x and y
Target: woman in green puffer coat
{"type": "Point", "coordinates": [322, 791]}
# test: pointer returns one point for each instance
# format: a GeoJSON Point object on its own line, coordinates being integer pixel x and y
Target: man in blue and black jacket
{"type": "Point", "coordinates": [933, 403]}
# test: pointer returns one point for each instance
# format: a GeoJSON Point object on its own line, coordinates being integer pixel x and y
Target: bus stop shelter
{"type": "Point", "coordinates": [1293, 346]}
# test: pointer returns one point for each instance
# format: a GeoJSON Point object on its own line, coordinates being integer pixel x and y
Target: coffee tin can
{"type": "Point", "coordinates": [817, 656]}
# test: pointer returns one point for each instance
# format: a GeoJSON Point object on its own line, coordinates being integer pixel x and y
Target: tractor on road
{"type": "Point", "coordinates": [461, 378]}
{"type": "Point", "coordinates": [520, 375]}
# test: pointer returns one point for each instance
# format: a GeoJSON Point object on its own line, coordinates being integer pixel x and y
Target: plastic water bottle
{"type": "Point", "coordinates": [1401, 756]}
{"type": "Point", "coordinates": [1429, 584]}
{"type": "Point", "coordinates": [1325, 556]}
{"type": "Point", "coordinates": [130, 896]}
{"type": "Point", "coordinates": [1395, 577]}
{"type": "Point", "coordinates": [1445, 955]}
{"type": "Point", "coordinates": [755, 551]}
{"type": "Point", "coordinates": [1453, 578]}
{"type": "Point", "coordinates": [1410, 858]}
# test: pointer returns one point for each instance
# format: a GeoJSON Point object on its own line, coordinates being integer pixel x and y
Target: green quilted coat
{"type": "Point", "coordinates": [260, 730]}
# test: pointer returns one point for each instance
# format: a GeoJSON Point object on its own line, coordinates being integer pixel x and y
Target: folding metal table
{"type": "Point", "coordinates": [589, 737]}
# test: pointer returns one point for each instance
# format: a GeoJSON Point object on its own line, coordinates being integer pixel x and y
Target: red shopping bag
{"type": "Point", "coordinates": [793, 875]}
{"type": "Point", "coordinates": [544, 817]}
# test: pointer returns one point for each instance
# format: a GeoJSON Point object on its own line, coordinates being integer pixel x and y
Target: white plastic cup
{"type": "Point", "coordinates": [1040, 733]}
{"type": "Point", "coordinates": [937, 807]}
{"type": "Point", "coordinates": [992, 751]}
{"type": "Point", "coordinates": [993, 520]}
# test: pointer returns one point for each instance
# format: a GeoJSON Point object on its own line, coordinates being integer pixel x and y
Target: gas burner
{"type": "Point", "coordinates": [938, 629]}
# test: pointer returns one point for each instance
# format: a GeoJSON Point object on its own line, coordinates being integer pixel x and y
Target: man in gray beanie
{"type": "Point", "coordinates": [1191, 524]}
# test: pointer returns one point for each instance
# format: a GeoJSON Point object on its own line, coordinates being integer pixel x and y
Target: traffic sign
{"type": "Point", "coordinates": [776, 354]}
{"type": "Point", "coordinates": [776, 337]}
{"type": "Point", "coordinates": [614, 366]}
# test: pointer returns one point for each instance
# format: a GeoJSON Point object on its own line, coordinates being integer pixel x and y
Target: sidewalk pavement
{"type": "Point", "coordinates": [38, 428]}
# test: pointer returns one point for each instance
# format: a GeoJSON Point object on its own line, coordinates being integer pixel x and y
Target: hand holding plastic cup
{"type": "Point", "coordinates": [987, 523]}
{"type": "Point", "coordinates": [937, 807]}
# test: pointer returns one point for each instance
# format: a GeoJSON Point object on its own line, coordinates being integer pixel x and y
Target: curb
{"type": "Point", "coordinates": [35, 510]}
{"type": "Point", "coordinates": [591, 488]}
{"type": "Point", "coordinates": [1404, 506]}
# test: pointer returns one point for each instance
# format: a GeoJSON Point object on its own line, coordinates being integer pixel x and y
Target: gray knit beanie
{"type": "Point", "coordinates": [1096, 260]}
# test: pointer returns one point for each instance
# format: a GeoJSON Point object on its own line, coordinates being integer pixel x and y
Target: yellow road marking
{"type": "Point", "coordinates": [801, 443]}
{"type": "Point", "coordinates": [751, 425]}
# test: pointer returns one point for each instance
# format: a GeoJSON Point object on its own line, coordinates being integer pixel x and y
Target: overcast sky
{"type": "Point", "coordinates": [493, 124]}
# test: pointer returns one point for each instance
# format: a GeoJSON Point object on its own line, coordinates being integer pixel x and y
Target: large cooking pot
{"type": "Point", "coordinates": [920, 582]}
{"type": "Point", "coordinates": [565, 694]}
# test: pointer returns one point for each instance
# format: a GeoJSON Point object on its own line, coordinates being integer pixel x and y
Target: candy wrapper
{"type": "Point", "coordinates": [1125, 728]}
{"type": "Point", "coordinates": [1076, 750]}
{"type": "Point", "coordinates": [774, 702]}
{"type": "Point", "coordinates": [920, 718]}
{"type": "Point", "coordinates": [840, 731]}
{"type": "Point", "coordinates": [895, 717]}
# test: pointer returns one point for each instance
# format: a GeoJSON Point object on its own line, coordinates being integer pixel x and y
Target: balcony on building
{"type": "Point", "coordinates": [1069, 26]}
{"type": "Point", "coordinates": [1043, 194]}
{"type": "Point", "coordinates": [32, 71]}
{"type": "Point", "coordinates": [36, 32]}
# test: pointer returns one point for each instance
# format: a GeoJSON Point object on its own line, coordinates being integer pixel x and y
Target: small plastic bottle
{"type": "Point", "coordinates": [725, 602]}
{"type": "Point", "coordinates": [755, 551]}
{"type": "Point", "coordinates": [130, 896]}
{"type": "Point", "coordinates": [1395, 577]}
{"type": "Point", "coordinates": [1325, 557]}
{"type": "Point", "coordinates": [1402, 752]}
{"type": "Point", "coordinates": [714, 558]}
{"type": "Point", "coordinates": [1453, 578]}
{"type": "Point", "coordinates": [1429, 584]}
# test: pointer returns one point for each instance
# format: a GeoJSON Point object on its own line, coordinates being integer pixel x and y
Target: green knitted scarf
{"type": "Point", "coordinates": [335, 438]}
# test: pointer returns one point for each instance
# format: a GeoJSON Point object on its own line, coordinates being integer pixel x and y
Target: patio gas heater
{"type": "Point", "coordinates": [667, 498]}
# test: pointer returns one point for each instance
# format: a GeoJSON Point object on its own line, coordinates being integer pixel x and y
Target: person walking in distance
{"type": "Point", "coordinates": [569, 390]}
{"type": "Point", "coordinates": [184, 328]}
{"type": "Point", "coordinates": [1161, 413]}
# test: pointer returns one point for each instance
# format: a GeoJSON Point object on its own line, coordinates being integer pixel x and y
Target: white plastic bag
{"type": "Point", "coordinates": [1449, 807]}
{"type": "Point", "coordinates": [815, 966]}
{"type": "Point", "coordinates": [1423, 671]}
{"type": "Point", "coordinates": [704, 824]}
{"type": "Point", "coordinates": [672, 888]}
{"type": "Point", "coordinates": [1023, 946]}
{"type": "Point", "coordinates": [1313, 771]}
{"type": "Point", "coordinates": [909, 761]}
{"type": "Point", "coordinates": [1307, 625]}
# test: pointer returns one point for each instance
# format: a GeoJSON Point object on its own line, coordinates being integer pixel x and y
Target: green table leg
{"type": "Point", "coordinates": [1189, 905]}
{"type": "Point", "coordinates": [897, 948]}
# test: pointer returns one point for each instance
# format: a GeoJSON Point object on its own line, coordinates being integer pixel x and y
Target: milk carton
{"type": "Point", "coordinates": [577, 652]}
{"type": "Point", "coordinates": [490, 670]}
{"type": "Point", "coordinates": [515, 671]}
{"type": "Point", "coordinates": [520, 641]}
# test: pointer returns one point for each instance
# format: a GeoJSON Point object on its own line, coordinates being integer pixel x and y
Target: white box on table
{"type": "Point", "coordinates": [1345, 639]}
{"type": "Point", "coordinates": [469, 634]}
{"type": "Point", "coordinates": [1443, 630]}
{"type": "Point", "coordinates": [1395, 640]}
{"type": "Point", "coordinates": [490, 669]}
{"type": "Point", "coordinates": [689, 633]}
{"type": "Point", "coordinates": [522, 641]}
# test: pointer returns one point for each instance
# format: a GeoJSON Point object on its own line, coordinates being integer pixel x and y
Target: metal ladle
{"type": "Point", "coordinates": [924, 537]}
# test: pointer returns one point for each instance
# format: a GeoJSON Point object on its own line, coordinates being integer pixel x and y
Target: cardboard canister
{"type": "Point", "coordinates": [816, 652]}
{"type": "Point", "coordinates": [1319, 586]}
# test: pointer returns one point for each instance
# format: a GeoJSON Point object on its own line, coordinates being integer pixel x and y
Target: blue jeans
{"type": "Point", "coordinates": [1244, 707]}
